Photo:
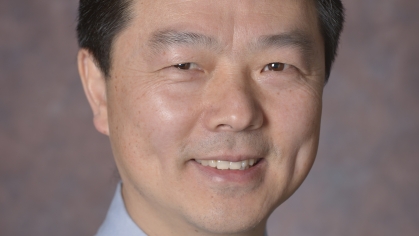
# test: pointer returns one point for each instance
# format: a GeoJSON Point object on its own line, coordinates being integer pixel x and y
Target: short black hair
{"type": "Point", "coordinates": [331, 17]}
{"type": "Point", "coordinates": [100, 21]}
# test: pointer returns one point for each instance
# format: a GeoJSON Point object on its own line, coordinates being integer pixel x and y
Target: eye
{"type": "Point", "coordinates": [186, 66]}
{"type": "Point", "coordinates": [277, 66]}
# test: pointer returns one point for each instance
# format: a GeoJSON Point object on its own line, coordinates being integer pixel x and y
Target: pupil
{"type": "Point", "coordinates": [277, 66]}
{"type": "Point", "coordinates": [183, 66]}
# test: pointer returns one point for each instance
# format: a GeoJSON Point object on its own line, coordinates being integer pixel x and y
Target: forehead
{"type": "Point", "coordinates": [234, 24]}
{"type": "Point", "coordinates": [225, 19]}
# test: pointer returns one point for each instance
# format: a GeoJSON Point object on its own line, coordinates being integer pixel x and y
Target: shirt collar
{"type": "Point", "coordinates": [117, 221]}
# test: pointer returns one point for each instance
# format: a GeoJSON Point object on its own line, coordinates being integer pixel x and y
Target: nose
{"type": "Point", "coordinates": [231, 104]}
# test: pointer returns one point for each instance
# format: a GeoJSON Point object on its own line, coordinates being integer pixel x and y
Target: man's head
{"type": "Point", "coordinates": [195, 84]}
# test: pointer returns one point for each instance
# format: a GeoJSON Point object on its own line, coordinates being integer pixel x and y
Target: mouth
{"type": "Point", "coordinates": [229, 165]}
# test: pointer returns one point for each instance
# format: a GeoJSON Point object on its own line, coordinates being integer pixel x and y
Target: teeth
{"type": "Point", "coordinates": [235, 165]}
{"type": "Point", "coordinates": [225, 165]}
{"type": "Point", "coordinates": [213, 163]}
{"type": "Point", "coordinates": [244, 164]}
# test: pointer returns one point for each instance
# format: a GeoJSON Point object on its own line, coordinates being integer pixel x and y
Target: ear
{"type": "Point", "coordinates": [94, 85]}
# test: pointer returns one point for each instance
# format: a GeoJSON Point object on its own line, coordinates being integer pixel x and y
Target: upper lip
{"type": "Point", "coordinates": [230, 158]}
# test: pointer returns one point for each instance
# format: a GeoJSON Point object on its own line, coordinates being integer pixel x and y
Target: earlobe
{"type": "Point", "coordinates": [94, 85]}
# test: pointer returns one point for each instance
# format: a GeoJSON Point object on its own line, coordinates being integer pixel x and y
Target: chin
{"type": "Point", "coordinates": [230, 220]}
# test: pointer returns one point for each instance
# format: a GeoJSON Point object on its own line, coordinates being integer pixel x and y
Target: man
{"type": "Point", "coordinates": [212, 107]}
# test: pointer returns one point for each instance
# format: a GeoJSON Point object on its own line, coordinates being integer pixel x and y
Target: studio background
{"type": "Point", "coordinates": [57, 175]}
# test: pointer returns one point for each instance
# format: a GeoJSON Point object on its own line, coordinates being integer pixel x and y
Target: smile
{"type": "Point", "coordinates": [229, 165]}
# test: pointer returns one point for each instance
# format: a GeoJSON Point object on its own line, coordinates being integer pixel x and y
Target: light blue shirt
{"type": "Point", "coordinates": [117, 221]}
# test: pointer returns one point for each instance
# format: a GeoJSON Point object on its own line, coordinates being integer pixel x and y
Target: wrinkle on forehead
{"type": "Point", "coordinates": [162, 39]}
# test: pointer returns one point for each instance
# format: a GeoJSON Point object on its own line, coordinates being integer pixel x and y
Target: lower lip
{"type": "Point", "coordinates": [254, 173]}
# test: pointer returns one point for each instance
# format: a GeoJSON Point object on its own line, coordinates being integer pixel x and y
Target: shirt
{"type": "Point", "coordinates": [117, 221]}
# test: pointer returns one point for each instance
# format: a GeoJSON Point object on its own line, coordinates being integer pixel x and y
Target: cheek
{"type": "Point", "coordinates": [296, 116]}
{"type": "Point", "coordinates": [294, 119]}
{"type": "Point", "coordinates": [172, 117]}
{"type": "Point", "coordinates": [156, 120]}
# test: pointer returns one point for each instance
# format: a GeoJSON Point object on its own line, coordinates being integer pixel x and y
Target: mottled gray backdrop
{"type": "Point", "coordinates": [57, 175]}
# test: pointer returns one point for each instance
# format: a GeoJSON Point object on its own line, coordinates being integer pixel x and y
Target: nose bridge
{"type": "Point", "coordinates": [231, 104]}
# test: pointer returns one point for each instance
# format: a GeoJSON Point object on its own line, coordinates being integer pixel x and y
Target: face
{"type": "Point", "coordinates": [197, 84]}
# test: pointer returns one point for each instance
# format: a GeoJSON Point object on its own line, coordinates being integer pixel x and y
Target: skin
{"type": "Point", "coordinates": [229, 105]}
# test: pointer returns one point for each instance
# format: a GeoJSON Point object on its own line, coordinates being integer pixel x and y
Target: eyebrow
{"type": "Point", "coordinates": [166, 38]}
{"type": "Point", "coordinates": [297, 39]}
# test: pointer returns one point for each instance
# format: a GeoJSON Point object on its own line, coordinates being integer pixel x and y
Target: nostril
{"type": "Point", "coordinates": [224, 127]}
